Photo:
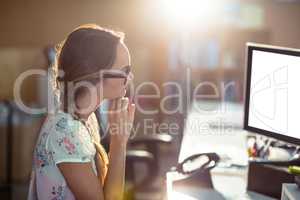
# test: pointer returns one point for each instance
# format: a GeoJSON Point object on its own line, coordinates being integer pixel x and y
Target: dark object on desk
{"type": "Point", "coordinates": [279, 163]}
{"type": "Point", "coordinates": [267, 179]}
{"type": "Point", "coordinates": [297, 181]}
{"type": "Point", "coordinates": [197, 174]}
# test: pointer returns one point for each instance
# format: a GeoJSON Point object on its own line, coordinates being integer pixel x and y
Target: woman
{"type": "Point", "coordinates": [69, 163]}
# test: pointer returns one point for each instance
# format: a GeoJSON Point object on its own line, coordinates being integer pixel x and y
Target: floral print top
{"type": "Point", "coordinates": [61, 139]}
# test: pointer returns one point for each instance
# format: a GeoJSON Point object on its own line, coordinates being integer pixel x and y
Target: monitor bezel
{"type": "Point", "coordinates": [272, 49]}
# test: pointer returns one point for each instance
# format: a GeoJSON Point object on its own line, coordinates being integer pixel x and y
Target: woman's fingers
{"type": "Point", "coordinates": [124, 117]}
{"type": "Point", "coordinates": [124, 104]}
{"type": "Point", "coordinates": [112, 105]}
{"type": "Point", "coordinates": [131, 111]}
{"type": "Point", "coordinates": [119, 105]}
{"type": "Point", "coordinates": [121, 118]}
{"type": "Point", "coordinates": [111, 110]}
{"type": "Point", "coordinates": [124, 111]}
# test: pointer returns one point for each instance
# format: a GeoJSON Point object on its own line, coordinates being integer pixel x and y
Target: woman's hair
{"type": "Point", "coordinates": [88, 49]}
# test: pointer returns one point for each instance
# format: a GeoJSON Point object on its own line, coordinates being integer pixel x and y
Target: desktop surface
{"type": "Point", "coordinates": [217, 127]}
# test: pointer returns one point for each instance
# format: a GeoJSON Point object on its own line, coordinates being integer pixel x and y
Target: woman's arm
{"type": "Point", "coordinates": [114, 182]}
{"type": "Point", "coordinates": [81, 178]}
{"type": "Point", "coordinates": [120, 118]}
{"type": "Point", "coordinates": [82, 181]}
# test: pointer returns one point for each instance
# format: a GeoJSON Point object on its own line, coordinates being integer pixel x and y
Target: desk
{"type": "Point", "coordinates": [290, 192]}
{"type": "Point", "coordinates": [217, 127]}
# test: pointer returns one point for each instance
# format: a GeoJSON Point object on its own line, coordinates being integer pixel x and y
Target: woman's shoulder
{"type": "Point", "coordinates": [62, 126]}
{"type": "Point", "coordinates": [68, 138]}
{"type": "Point", "coordinates": [63, 123]}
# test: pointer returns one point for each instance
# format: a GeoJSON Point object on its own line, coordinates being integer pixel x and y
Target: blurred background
{"type": "Point", "coordinates": [165, 37]}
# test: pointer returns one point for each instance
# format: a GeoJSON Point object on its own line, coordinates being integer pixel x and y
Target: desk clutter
{"type": "Point", "coordinates": [272, 163]}
{"type": "Point", "coordinates": [267, 179]}
{"type": "Point", "coordinates": [269, 167]}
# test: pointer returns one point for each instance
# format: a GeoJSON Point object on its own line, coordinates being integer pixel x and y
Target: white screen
{"type": "Point", "coordinates": [275, 93]}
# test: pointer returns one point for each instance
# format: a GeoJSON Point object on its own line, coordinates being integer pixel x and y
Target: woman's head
{"type": "Point", "coordinates": [93, 56]}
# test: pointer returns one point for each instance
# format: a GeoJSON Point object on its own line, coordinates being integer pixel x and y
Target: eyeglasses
{"type": "Point", "coordinates": [124, 72]}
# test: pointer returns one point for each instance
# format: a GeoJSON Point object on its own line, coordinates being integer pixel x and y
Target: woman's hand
{"type": "Point", "coordinates": [120, 119]}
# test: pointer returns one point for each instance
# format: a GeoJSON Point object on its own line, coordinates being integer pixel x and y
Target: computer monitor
{"type": "Point", "coordinates": [272, 99]}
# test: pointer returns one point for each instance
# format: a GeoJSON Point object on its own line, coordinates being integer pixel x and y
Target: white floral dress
{"type": "Point", "coordinates": [61, 139]}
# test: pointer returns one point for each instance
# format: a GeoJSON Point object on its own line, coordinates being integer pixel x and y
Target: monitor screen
{"type": "Point", "coordinates": [272, 100]}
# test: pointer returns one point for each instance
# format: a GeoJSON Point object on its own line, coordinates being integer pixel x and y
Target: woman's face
{"type": "Point", "coordinates": [116, 87]}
